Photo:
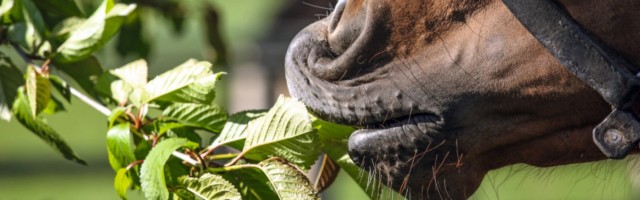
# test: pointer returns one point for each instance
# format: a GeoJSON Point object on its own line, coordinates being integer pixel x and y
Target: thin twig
{"type": "Point", "coordinates": [186, 158]}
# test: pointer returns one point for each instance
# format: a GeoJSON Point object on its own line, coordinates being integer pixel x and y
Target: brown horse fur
{"type": "Point", "coordinates": [446, 90]}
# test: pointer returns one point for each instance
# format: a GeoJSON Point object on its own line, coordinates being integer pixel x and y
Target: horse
{"type": "Point", "coordinates": [443, 91]}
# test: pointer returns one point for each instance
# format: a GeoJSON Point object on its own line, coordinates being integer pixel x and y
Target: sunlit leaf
{"type": "Point", "coordinates": [120, 91]}
{"type": "Point", "coordinates": [22, 112]}
{"type": "Point", "coordinates": [133, 73]}
{"type": "Point", "coordinates": [10, 80]}
{"type": "Point", "coordinates": [235, 131]}
{"type": "Point", "coordinates": [115, 115]}
{"type": "Point", "coordinates": [122, 182]}
{"type": "Point", "coordinates": [119, 146]}
{"type": "Point", "coordinates": [191, 82]}
{"type": "Point", "coordinates": [93, 33]}
{"type": "Point", "coordinates": [285, 131]}
{"type": "Point", "coordinates": [62, 30]}
{"type": "Point", "coordinates": [152, 175]}
{"type": "Point", "coordinates": [209, 117]}
{"type": "Point", "coordinates": [38, 90]}
{"type": "Point", "coordinates": [210, 186]}
{"type": "Point", "coordinates": [6, 6]}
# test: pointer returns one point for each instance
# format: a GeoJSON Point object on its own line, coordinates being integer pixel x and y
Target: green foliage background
{"type": "Point", "coordinates": [31, 170]}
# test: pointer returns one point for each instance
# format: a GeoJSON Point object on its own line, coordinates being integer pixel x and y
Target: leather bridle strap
{"type": "Point", "coordinates": [594, 63]}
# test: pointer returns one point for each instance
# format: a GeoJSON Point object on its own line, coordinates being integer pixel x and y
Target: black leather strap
{"type": "Point", "coordinates": [591, 61]}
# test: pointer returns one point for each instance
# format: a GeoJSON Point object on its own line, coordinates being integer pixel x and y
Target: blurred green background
{"type": "Point", "coordinates": [256, 33]}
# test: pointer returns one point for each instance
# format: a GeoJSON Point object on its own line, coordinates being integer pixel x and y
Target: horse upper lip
{"type": "Point", "coordinates": [337, 14]}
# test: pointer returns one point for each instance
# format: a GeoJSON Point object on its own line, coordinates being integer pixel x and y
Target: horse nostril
{"type": "Point", "coordinates": [337, 14]}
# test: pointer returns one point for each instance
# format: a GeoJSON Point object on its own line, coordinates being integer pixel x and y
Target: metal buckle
{"type": "Point", "coordinates": [617, 134]}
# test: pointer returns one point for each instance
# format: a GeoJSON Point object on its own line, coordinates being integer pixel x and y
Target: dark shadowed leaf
{"type": "Point", "coordinates": [209, 117]}
{"type": "Point", "coordinates": [10, 80]}
{"type": "Point", "coordinates": [214, 34]}
{"type": "Point", "coordinates": [119, 146]}
{"type": "Point", "coordinates": [327, 174]}
{"type": "Point", "coordinates": [22, 112]}
{"type": "Point", "coordinates": [28, 30]}
{"type": "Point", "coordinates": [65, 8]}
{"type": "Point", "coordinates": [132, 39]}
{"type": "Point", "coordinates": [38, 90]}
{"type": "Point", "coordinates": [210, 186]}
{"type": "Point", "coordinates": [122, 182]}
{"type": "Point", "coordinates": [152, 175]}
{"type": "Point", "coordinates": [85, 72]}
{"type": "Point", "coordinates": [234, 132]}
{"type": "Point", "coordinates": [185, 132]}
{"type": "Point", "coordinates": [61, 86]}
{"type": "Point", "coordinates": [93, 33]}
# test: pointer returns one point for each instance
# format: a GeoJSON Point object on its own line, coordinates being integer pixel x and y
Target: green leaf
{"type": "Point", "coordinates": [152, 171]}
{"type": "Point", "coordinates": [210, 186]}
{"type": "Point", "coordinates": [234, 132]}
{"type": "Point", "coordinates": [119, 146]}
{"type": "Point", "coordinates": [28, 30]}
{"type": "Point", "coordinates": [22, 112]}
{"type": "Point", "coordinates": [10, 80]}
{"type": "Point", "coordinates": [272, 179]}
{"type": "Point", "coordinates": [6, 6]}
{"type": "Point", "coordinates": [54, 106]}
{"type": "Point", "coordinates": [285, 131]}
{"type": "Point", "coordinates": [191, 82]}
{"type": "Point", "coordinates": [116, 113]}
{"type": "Point", "coordinates": [122, 183]}
{"type": "Point", "coordinates": [62, 30]}
{"type": "Point", "coordinates": [91, 35]}
{"type": "Point", "coordinates": [61, 86]}
{"type": "Point", "coordinates": [85, 72]}
{"type": "Point", "coordinates": [209, 117]}
{"type": "Point", "coordinates": [38, 90]}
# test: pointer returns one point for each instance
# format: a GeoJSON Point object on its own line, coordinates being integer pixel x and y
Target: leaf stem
{"type": "Point", "coordinates": [222, 156]}
{"type": "Point", "coordinates": [236, 159]}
